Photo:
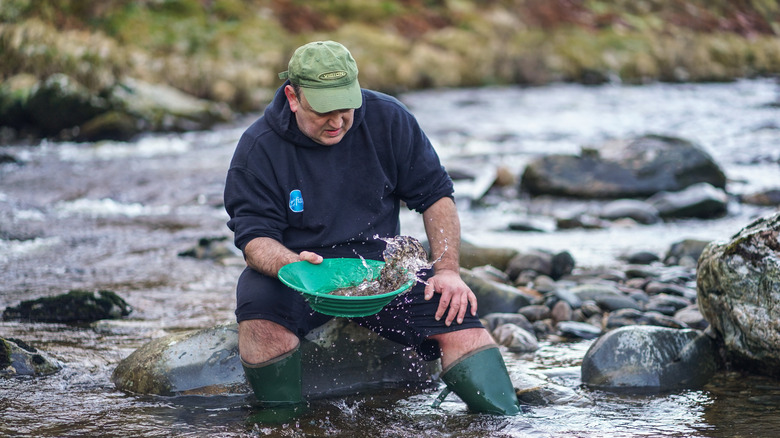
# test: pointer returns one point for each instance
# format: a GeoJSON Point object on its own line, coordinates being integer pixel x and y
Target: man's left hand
{"type": "Point", "coordinates": [455, 295]}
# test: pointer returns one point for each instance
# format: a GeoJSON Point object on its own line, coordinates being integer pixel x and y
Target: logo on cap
{"type": "Point", "coordinates": [332, 75]}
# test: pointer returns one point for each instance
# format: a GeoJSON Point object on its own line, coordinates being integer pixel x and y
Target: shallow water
{"type": "Point", "coordinates": [115, 216]}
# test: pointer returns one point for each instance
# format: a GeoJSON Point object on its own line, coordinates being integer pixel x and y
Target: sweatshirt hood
{"type": "Point", "coordinates": [282, 120]}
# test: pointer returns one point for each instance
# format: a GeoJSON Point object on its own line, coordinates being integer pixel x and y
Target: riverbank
{"type": "Point", "coordinates": [229, 52]}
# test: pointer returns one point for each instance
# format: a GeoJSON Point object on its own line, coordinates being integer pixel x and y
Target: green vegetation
{"type": "Point", "coordinates": [230, 50]}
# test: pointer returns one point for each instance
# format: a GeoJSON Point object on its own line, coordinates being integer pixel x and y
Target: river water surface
{"type": "Point", "coordinates": [116, 215]}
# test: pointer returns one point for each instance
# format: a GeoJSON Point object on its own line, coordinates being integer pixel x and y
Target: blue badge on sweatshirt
{"type": "Point", "coordinates": [296, 201]}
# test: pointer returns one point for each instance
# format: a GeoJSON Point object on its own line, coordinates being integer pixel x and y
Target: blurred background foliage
{"type": "Point", "coordinates": [230, 50]}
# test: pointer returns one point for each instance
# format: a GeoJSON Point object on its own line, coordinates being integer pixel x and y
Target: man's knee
{"type": "Point", "coordinates": [261, 340]}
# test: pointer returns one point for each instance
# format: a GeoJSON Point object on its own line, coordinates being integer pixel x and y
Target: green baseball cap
{"type": "Point", "coordinates": [327, 73]}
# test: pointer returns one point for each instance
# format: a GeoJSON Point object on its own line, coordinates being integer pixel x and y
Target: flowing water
{"type": "Point", "coordinates": [116, 215]}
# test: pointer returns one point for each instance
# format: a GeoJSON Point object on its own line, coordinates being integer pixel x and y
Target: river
{"type": "Point", "coordinates": [115, 216]}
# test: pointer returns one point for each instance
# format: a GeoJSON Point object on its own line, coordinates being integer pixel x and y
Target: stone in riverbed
{"type": "Point", "coordinates": [75, 306]}
{"type": "Point", "coordinates": [338, 357]}
{"type": "Point", "coordinates": [699, 200]}
{"type": "Point", "coordinates": [624, 169]}
{"type": "Point", "coordinates": [738, 288]}
{"type": "Point", "coordinates": [649, 358]}
{"type": "Point", "coordinates": [17, 358]}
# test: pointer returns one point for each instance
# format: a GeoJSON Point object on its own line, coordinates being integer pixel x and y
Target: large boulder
{"type": "Point", "coordinates": [738, 291]}
{"type": "Point", "coordinates": [338, 357]}
{"type": "Point", "coordinates": [624, 169]}
{"type": "Point", "coordinates": [649, 358]}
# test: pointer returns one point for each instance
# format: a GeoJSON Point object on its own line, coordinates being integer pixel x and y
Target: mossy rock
{"type": "Point", "coordinates": [75, 306]}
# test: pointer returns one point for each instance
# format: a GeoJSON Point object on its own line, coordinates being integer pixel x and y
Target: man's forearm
{"type": "Point", "coordinates": [442, 226]}
{"type": "Point", "coordinates": [267, 255]}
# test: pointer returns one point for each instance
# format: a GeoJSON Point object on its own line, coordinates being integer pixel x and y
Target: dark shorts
{"type": "Point", "coordinates": [408, 319]}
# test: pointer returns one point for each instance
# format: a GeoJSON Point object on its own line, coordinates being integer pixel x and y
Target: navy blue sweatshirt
{"type": "Point", "coordinates": [334, 199]}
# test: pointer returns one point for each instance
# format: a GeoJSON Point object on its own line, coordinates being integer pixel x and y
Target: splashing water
{"type": "Point", "coordinates": [404, 257]}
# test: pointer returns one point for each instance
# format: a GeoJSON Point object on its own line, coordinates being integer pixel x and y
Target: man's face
{"type": "Point", "coordinates": [326, 129]}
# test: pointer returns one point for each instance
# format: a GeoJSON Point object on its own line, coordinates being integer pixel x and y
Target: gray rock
{"type": "Point", "coordinates": [536, 312]}
{"type": "Point", "coordinates": [685, 252]}
{"type": "Point", "coordinates": [692, 317]}
{"type": "Point", "coordinates": [665, 301]}
{"type": "Point", "coordinates": [739, 294]}
{"type": "Point", "coordinates": [624, 169]}
{"type": "Point", "coordinates": [767, 198]}
{"type": "Point", "coordinates": [472, 256]}
{"type": "Point", "coordinates": [17, 358]}
{"type": "Point", "coordinates": [595, 291]}
{"type": "Point", "coordinates": [649, 358]}
{"type": "Point", "coordinates": [699, 200]}
{"type": "Point", "coordinates": [515, 339]}
{"type": "Point", "coordinates": [495, 297]}
{"type": "Point", "coordinates": [582, 330]}
{"type": "Point", "coordinates": [640, 211]}
{"type": "Point", "coordinates": [206, 362]}
{"type": "Point", "coordinates": [617, 302]}
{"type": "Point", "coordinates": [494, 320]}
{"type": "Point", "coordinates": [561, 311]}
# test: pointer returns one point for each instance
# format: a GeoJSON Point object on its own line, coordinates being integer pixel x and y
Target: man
{"type": "Point", "coordinates": [321, 174]}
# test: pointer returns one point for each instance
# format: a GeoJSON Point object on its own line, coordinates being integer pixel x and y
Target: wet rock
{"type": "Point", "coordinates": [639, 211]}
{"type": "Point", "coordinates": [692, 317]}
{"type": "Point", "coordinates": [617, 302]}
{"type": "Point", "coordinates": [75, 306]}
{"type": "Point", "coordinates": [535, 312]}
{"type": "Point", "coordinates": [685, 252]}
{"type": "Point", "coordinates": [542, 262]}
{"type": "Point", "coordinates": [490, 273]}
{"type": "Point", "coordinates": [17, 358]}
{"type": "Point", "coordinates": [624, 169]}
{"type": "Point", "coordinates": [495, 320]}
{"type": "Point", "coordinates": [641, 258]}
{"type": "Point", "coordinates": [595, 291]}
{"type": "Point", "coordinates": [699, 200]}
{"type": "Point", "coordinates": [495, 297]}
{"type": "Point", "coordinates": [206, 362]}
{"type": "Point", "coordinates": [212, 248]}
{"type": "Point", "coordinates": [649, 358]}
{"type": "Point", "coordinates": [533, 224]}
{"type": "Point", "coordinates": [738, 289]}
{"type": "Point", "coordinates": [657, 287]}
{"type": "Point", "coordinates": [535, 389]}
{"type": "Point", "coordinates": [667, 304]}
{"type": "Point", "coordinates": [581, 330]}
{"type": "Point", "coordinates": [515, 339]}
{"type": "Point", "coordinates": [472, 256]}
{"type": "Point", "coordinates": [765, 198]}
{"type": "Point", "coordinates": [561, 311]}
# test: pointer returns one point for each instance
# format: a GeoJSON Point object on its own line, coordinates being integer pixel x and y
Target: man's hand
{"type": "Point", "coordinates": [455, 295]}
{"type": "Point", "coordinates": [310, 257]}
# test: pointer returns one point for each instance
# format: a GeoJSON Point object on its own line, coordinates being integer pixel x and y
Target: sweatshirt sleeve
{"type": "Point", "coordinates": [255, 209]}
{"type": "Point", "coordinates": [422, 178]}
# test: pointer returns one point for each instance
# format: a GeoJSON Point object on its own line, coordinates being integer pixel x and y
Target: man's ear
{"type": "Point", "coordinates": [292, 99]}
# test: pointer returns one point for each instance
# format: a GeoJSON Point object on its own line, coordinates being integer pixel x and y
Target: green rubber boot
{"type": "Point", "coordinates": [277, 387]}
{"type": "Point", "coordinates": [481, 380]}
